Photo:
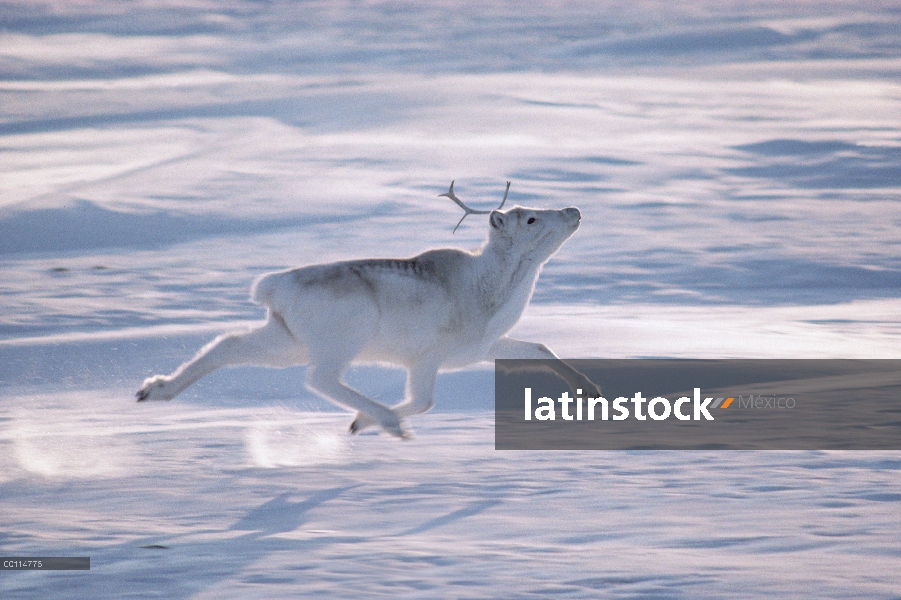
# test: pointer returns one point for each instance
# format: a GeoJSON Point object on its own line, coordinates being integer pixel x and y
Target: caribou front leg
{"type": "Point", "coordinates": [509, 348]}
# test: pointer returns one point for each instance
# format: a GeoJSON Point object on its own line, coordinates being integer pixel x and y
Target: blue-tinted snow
{"type": "Point", "coordinates": [737, 166]}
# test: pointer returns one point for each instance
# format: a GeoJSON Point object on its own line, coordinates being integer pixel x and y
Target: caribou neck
{"type": "Point", "coordinates": [502, 275]}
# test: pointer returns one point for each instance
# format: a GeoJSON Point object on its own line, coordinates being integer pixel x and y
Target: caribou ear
{"type": "Point", "coordinates": [496, 219]}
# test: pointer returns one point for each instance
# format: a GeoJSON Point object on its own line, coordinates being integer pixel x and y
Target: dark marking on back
{"type": "Point", "coordinates": [407, 266]}
{"type": "Point", "coordinates": [349, 276]}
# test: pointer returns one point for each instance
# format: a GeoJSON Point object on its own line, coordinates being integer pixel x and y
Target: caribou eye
{"type": "Point", "coordinates": [531, 220]}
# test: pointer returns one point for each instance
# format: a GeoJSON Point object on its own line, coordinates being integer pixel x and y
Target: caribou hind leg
{"type": "Point", "coordinates": [326, 380]}
{"type": "Point", "coordinates": [419, 396]}
{"type": "Point", "coordinates": [270, 345]}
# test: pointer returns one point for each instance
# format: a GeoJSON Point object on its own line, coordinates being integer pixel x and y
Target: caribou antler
{"type": "Point", "coordinates": [469, 211]}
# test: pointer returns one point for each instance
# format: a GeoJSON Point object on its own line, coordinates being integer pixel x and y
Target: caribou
{"type": "Point", "coordinates": [444, 309]}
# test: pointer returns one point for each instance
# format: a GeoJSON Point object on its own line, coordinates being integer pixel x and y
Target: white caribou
{"type": "Point", "coordinates": [443, 309]}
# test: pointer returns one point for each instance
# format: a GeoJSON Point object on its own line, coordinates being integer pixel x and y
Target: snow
{"type": "Point", "coordinates": [736, 165]}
